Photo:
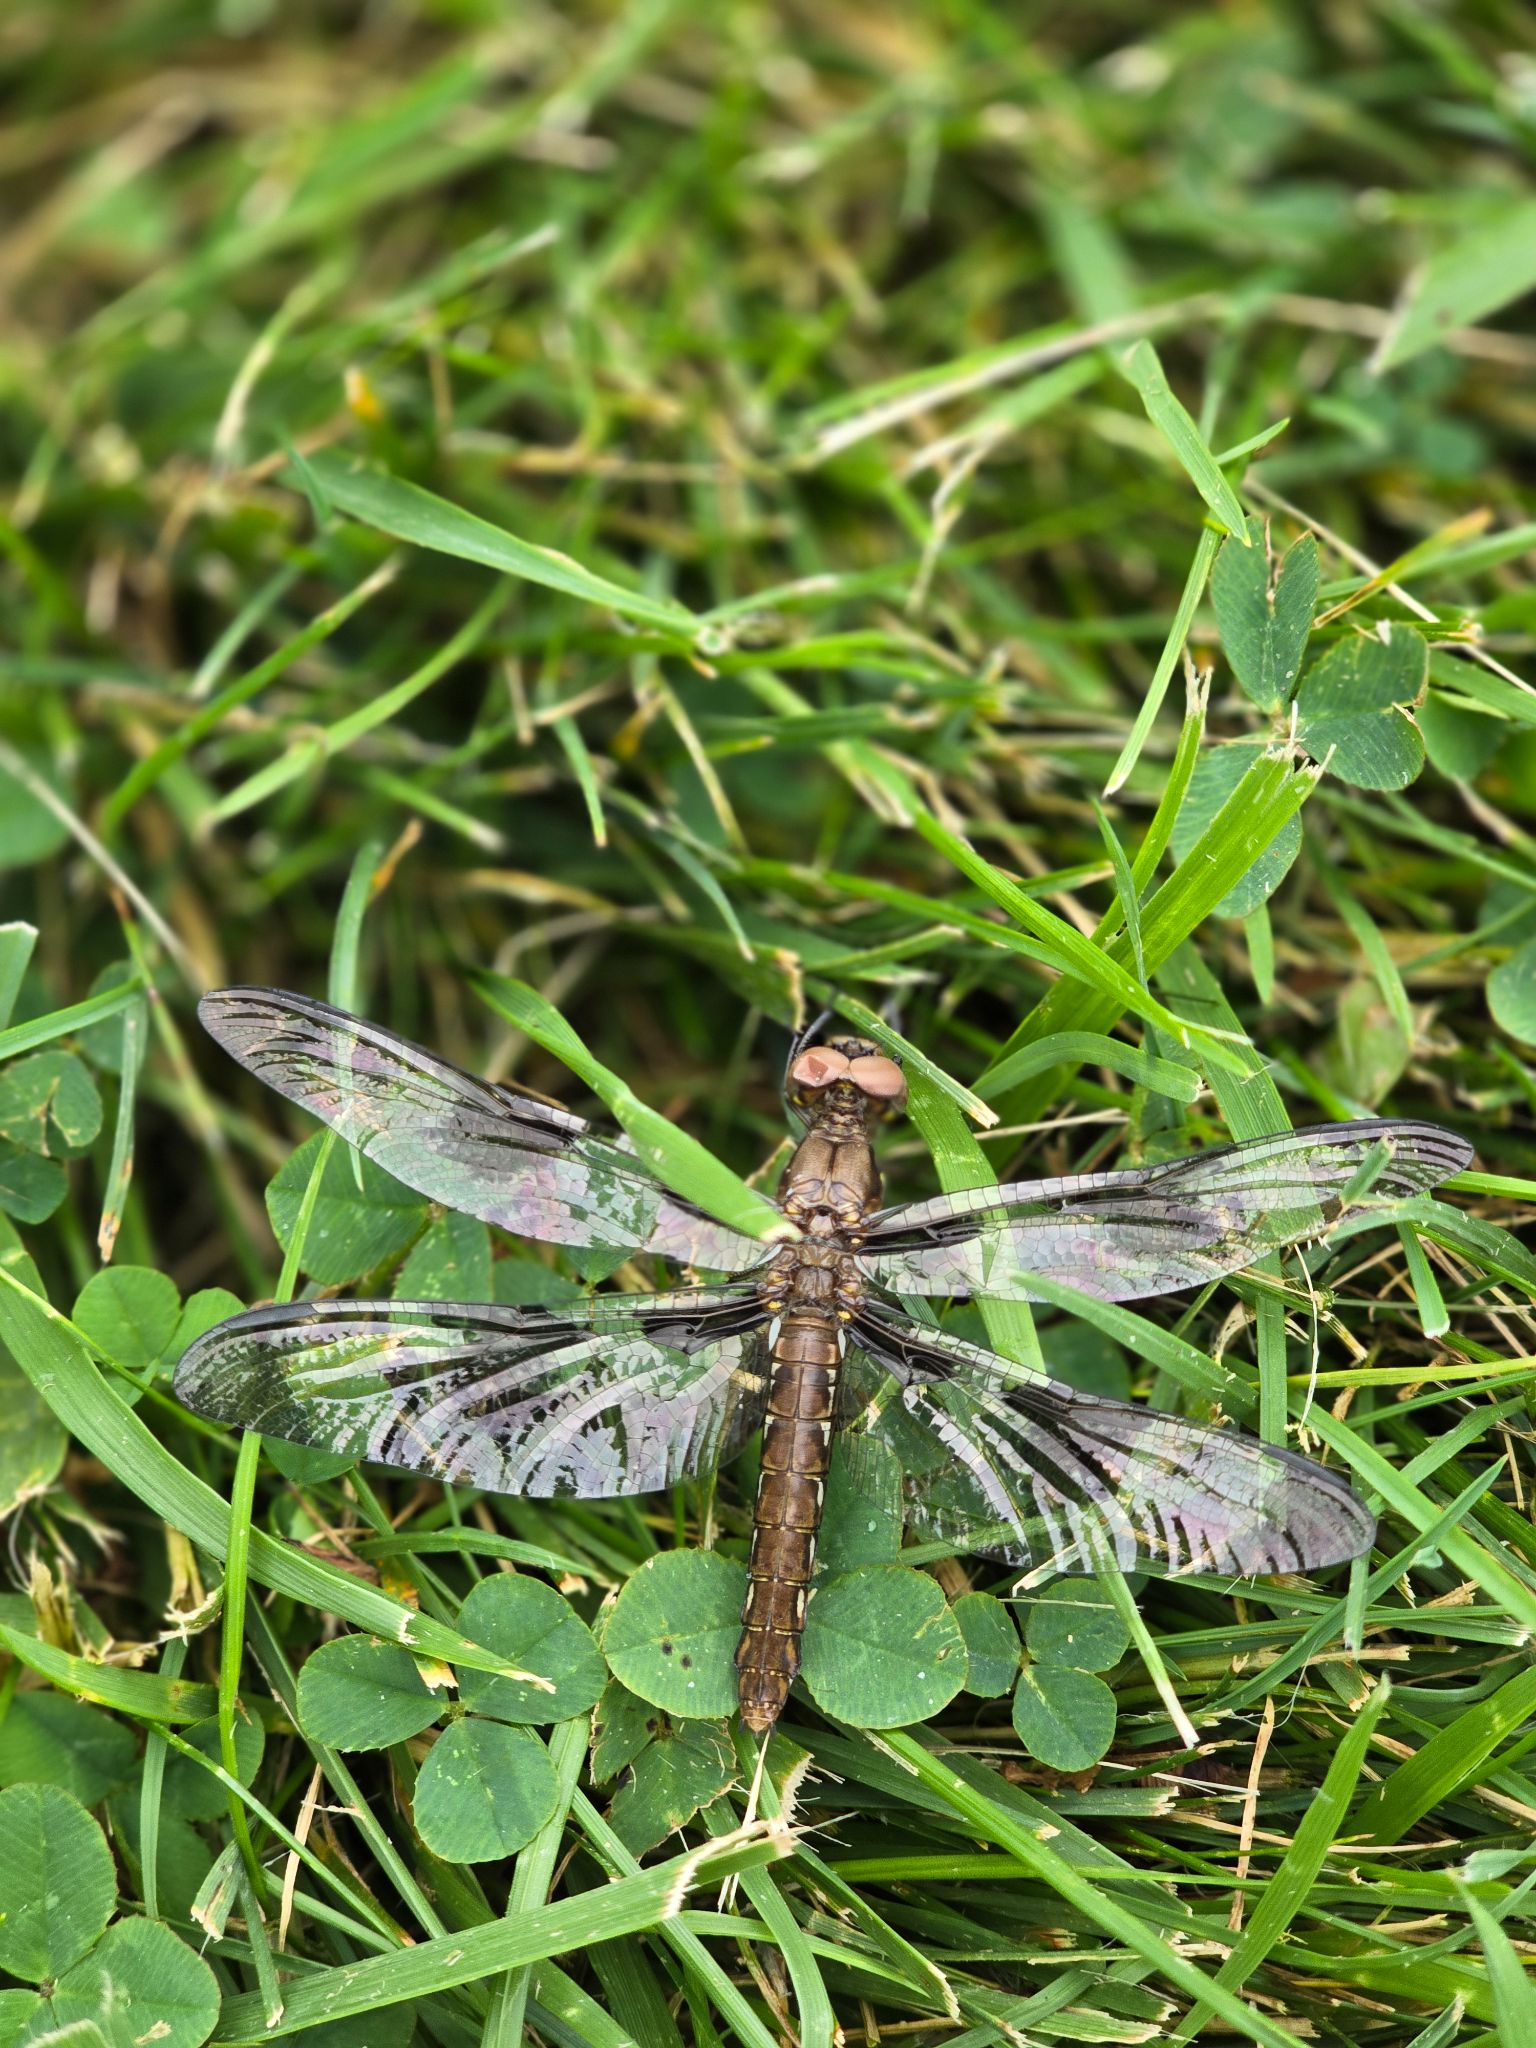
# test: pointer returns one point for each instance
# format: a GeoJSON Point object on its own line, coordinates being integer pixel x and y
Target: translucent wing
{"type": "Point", "coordinates": [490, 1150]}
{"type": "Point", "coordinates": [1001, 1460]}
{"type": "Point", "coordinates": [621, 1394]}
{"type": "Point", "coordinates": [1154, 1229]}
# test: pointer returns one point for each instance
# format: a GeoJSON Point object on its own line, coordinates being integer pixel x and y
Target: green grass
{"type": "Point", "coordinates": [705, 514]}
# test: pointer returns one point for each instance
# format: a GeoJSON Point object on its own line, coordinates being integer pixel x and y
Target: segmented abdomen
{"type": "Point", "coordinates": [797, 1448]}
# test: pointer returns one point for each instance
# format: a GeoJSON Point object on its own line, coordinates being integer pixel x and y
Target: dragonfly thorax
{"type": "Point", "coordinates": [832, 1182]}
{"type": "Point", "coordinates": [817, 1278]}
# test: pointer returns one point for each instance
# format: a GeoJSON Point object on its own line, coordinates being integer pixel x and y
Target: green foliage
{"type": "Point", "coordinates": [622, 1724]}
{"type": "Point", "coordinates": [882, 1647]}
{"type": "Point", "coordinates": [49, 1105]}
{"type": "Point", "coordinates": [56, 1882]}
{"type": "Point", "coordinates": [1459, 740]}
{"type": "Point", "coordinates": [31, 1188]}
{"type": "Point", "coordinates": [1466, 279]}
{"type": "Point", "coordinates": [861, 1513]}
{"type": "Point", "coordinates": [1064, 1717]}
{"type": "Point", "coordinates": [203, 1311]}
{"type": "Point", "coordinates": [484, 1791]}
{"type": "Point", "coordinates": [1074, 1622]}
{"type": "Point", "coordinates": [1171, 417]}
{"type": "Point", "coordinates": [680, 1769]}
{"type": "Point", "coordinates": [530, 1628]}
{"type": "Point", "coordinates": [139, 1981]}
{"type": "Point", "coordinates": [708, 522]}
{"type": "Point", "coordinates": [450, 1261]}
{"type": "Point", "coordinates": [32, 1442]}
{"type": "Point", "coordinates": [1063, 1712]}
{"type": "Point", "coordinates": [30, 831]}
{"type": "Point", "coordinates": [133, 1313]}
{"type": "Point", "coordinates": [1264, 612]}
{"type": "Point", "coordinates": [1215, 781]}
{"type": "Point", "coordinates": [675, 1157]}
{"type": "Point", "coordinates": [49, 1111]}
{"type": "Point", "coordinates": [991, 1644]}
{"type": "Point", "coordinates": [427, 521]}
{"type": "Point", "coordinates": [358, 1694]}
{"type": "Point", "coordinates": [191, 1792]}
{"type": "Point", "coordinates": [48, 1739]}
{"type": "Point", "coordinates": [1354, 708]}
{"type": "Point", "coordinates": [671, 1636]}
{"type": "Point", "coordinates": [1512, 993]}
{"type": "Point", "coordinates": [362, 1214]}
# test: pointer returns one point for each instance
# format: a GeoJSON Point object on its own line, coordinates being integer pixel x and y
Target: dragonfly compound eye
{"type": "Point", "coordinates": [879, 1077]}
{"type": "Point", "coordinates": [819, 1067]}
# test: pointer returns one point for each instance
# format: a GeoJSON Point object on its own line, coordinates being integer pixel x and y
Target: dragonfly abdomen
{"type": "Point", "coordinates": [797, 1449]}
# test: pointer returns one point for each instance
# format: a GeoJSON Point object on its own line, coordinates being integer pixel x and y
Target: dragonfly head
{"type": "Point", "coordinates": [845, 1076]}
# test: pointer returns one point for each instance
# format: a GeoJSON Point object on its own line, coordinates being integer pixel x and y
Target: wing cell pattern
{"type": "Point", "coordinates": [1006, 1461]}
{"type": "Point", "coordinates": [489, 1150]}
{"type": "Point", "coordinates": [615, 1395]}
{"type": "Point", "coordinates": [1155, 1229]}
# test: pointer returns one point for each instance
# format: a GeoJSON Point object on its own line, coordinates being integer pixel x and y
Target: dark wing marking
{"type": "Point", "coordinates": [479, 1146]}
{"type": "Point", "coordinates": [1155, 1229]}
{"type": "Point", "coordinates": [619, 1394]}
{"type": "Point", "coordinates": [1004, 1460]}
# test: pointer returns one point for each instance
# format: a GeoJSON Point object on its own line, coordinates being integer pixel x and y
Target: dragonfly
{"type": "Point", "coordinates": [801, 1339]}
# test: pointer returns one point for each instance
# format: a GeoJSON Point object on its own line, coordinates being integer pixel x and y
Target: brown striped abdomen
{"type": "Point", "coordinates": [797, 1448]}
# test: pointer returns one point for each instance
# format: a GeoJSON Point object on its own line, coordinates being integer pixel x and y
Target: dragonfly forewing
{"type": "Point", "coordinates": [492, 1151]}
{"type": "Point", "coordinates": [1156, 1229]}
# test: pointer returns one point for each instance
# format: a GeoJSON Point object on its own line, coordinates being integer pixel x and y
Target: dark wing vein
{"type": "Point", "coordinates": [621, 1394]}
{"type": "Point", "coordinates": [1155, 1229]}
{"type": "Point", "coordinates": [482, 1147]}
{"type": "Point", "coordinates": [1007, 1461]}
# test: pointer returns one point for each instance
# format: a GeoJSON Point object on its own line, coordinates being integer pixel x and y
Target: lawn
{"type": "Point", "coordinates": [587, 536]}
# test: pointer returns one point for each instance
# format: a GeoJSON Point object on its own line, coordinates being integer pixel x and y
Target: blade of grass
{"type": "Point", "coordinates": [813, 2008]}
{"type": "Point", "coordinates": [726, 1997]}
{"type": "Point", "coordinates": [1206, 549]}
{"type": "Point", "coordinates": [960, 1163]}
{"type": "Point", "coordinates": [626, 1905]}
{"type": "Point", "coordinates": [172, 1659]}
{"type": "Point", "coordinates": [114, 1196]}
{"type": "Point", "coordinates": [109, 1002]}
{"type": "Point", "coordinates": [210, 716]}
{"type": "Point", "coordinates": [1514, 1995]}
{"type": "Point", "coordinates": [409, 513]}
{"type": "Point", "coordinates": [144, 1695]}
{"type": "Point", "coordinates": [679, 1160]}
{"type": "Point", "coordinates": [1448, 1763]}
{"type": "Point", "coordinates": [877, 408]}
{"type": "Point", "coordinates": [1142, 367]}
{"type": "Point", "coordinates": [1092, 1049]}
{"type": "Point", "coordinates": [531, 1877]}
{"type": "Point", "coordinates": [1287, 1891]}
{"type": "Point", "coordinates": [1117, 1921]}
{"type": "Point", "coordinates": [1502, 1585]}
{"type": "Point", "coordinates": [1270, 793]}
{"type": "Point", "coordinates": [308, 751]}
{"type": "Point", "coordinates": [1099, 977]}
{"type": "Point", "coordinates": [17, 941]}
